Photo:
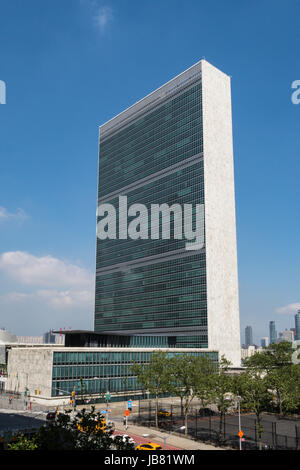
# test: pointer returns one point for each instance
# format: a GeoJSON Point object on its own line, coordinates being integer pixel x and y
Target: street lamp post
{"type": "Point", "coordinates": [239, 408]}
{"type": "Point", "coordinates": [237, 399]}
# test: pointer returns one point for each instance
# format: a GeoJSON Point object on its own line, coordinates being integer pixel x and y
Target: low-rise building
{"type": "Point", "coordinates": [91, 364]}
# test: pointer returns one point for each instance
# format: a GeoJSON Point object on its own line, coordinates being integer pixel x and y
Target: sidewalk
{"type": "Point", "coordinates": [173, 440]}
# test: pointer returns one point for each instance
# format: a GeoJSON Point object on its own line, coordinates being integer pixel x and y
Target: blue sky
{"type": "Point", "coordinates": [70, 66]}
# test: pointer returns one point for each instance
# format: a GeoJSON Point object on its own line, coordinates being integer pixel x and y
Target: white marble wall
{"type": "Point", "coordinates": [220, 226]}
{"type": "Point", "coordinates": [32, 368]}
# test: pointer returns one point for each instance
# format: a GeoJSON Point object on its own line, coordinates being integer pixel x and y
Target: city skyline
{"type": "Point", "coordinates": [81, 73]}
{"type": "Point", "coordinates": [279, 335]}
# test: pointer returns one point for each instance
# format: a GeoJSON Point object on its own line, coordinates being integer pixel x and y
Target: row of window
{"type": "Point", "coordinates": [97, 378]}
{"type": "Point", "coordinates": [116, 357]}
{"type": "Point", "coordinates": [163, 154]}
{"type": "Point", "coordinates": [172, 157]}
{"type": "Point", "coordinates": [125, 306]}
{"type": "Point", "coordinates": [193, 176]}
{"type": "Point", "coordinates": [154, 278]}
{"type": "Point", "coordinates": [161, 114]}
{"type": "Point", "coordinates": [156, 140]}
{"type": "Point", "coordinates": [115, 251]}
{"type": "Point", "coordinates": [65, 387]}
{"type": "Point", "coordinates": [118, 323]}
{"type": "Point", "coordinates": [146, 286]}
{"type": "Point", "coordinates": [168, 187]}
{"type": "Point", "coordinates": [130, 146]}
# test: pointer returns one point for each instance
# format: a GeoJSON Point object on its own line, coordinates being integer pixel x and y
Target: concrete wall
{"type": "Point", "coordinates": [220, 226]}
{"type": "Point", "coordinates": [31, 368]}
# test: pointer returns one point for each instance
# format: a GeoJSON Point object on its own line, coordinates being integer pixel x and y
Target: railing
{"type": "Point", "coordinates": [278, 433]}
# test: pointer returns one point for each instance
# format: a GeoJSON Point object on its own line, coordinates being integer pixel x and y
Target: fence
{"type": "Point", "coordinates": [278, 433]}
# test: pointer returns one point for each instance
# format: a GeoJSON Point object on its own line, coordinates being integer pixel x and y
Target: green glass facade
{"type": "Point", "coordinates": [168, 135]}
{"type": "Point", "coordinates": [96, 371]}
{"type": "Point", "coordinates": [150, 286]}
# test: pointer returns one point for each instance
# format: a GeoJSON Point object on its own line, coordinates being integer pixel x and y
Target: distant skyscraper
{"type": "Point", "coordinates": [264, 342]}
{"type": "Point", "coordinates": [273, 332]}
{"type": "Point", "coordinates": [248, 336]}
{"type": "Point", "coordinates": [297, 325]}
{"type": "Point", "coordinates": [49, 337]}
{"type": "Point", "coordinates": [287, 335]}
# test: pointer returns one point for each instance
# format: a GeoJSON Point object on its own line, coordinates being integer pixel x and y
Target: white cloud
{"type": "Point", "coordinates": [44, 292]}
{"type": "Point", "coordinates": [101, 13]}
{"type": "Point", "coordinates": [289, 309]}
{"type": "Point", "coordinates": [6, 215]}
{"type": "Point", "coordinates": [12, 297]}
{"type": "Point", "coordinates": [67, 298]}
{"type": "Point", "coordinates": [44, 271]}
{"type": "Point", "coordinates": [103, 16]}
{"type": "Point", "coordinates": [52, 297]}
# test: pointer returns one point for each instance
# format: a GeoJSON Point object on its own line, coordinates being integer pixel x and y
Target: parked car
{"type": "Point", "coordinates": [164, 413]}
{"type": "Point", "coordinates": [244, 410]}
{"type": "Point", "coordinates": [206, 412]}
{"type": "Point", "coordinates": [125, 438]}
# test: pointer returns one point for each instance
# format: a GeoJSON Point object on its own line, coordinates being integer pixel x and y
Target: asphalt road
{"type": "Point", "coordinates": [15, 421]}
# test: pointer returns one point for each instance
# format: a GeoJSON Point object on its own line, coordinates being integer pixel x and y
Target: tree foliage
{"type": "Point", "coordinates": [191, 376]}
{"type": "Point", "coordinates": [222, 391]}
{"type": "Point", "coordinates": [281, 375]}
{"type": "Point", "coordinates": [155, 376]}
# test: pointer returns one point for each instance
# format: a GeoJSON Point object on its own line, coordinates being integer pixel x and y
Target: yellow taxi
{"type": "Point", "coordinates": [149, 446]}
{"type": "Point", "coordinates": [244, 410]}
{"type": "Point", "coordinates": [164, 413]}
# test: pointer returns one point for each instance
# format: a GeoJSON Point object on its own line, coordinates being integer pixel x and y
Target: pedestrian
{"type": "Point", "coordinates": [125, 422]}
{"type": "Point", "coordinates": [10, 399]}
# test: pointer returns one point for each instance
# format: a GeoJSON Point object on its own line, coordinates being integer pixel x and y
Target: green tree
{"type": "Point", "coordinates": [281, 375]}
{"type": "Point", "coordinates": [155, 376]}
{"type": "Point", "coordinates": [191, 377]}
{"type": "Point", "coordinates": [222, 392]}
{"type": "Point", "coordinates": [275, 356]}
{"type": "Point", "coordinates": [23, 443]}
{"type": "Point", "coordinates": [252, 386]}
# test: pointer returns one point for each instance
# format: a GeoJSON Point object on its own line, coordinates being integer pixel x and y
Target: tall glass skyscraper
{"type": "Point", "coordinates": [273, 332]}
{"type": "Point", "coordinates": [297, 326]}
{"type": "Point", "coordinates": [248, 336]}
{"type": "Point", "coordinates": [172, 147]}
